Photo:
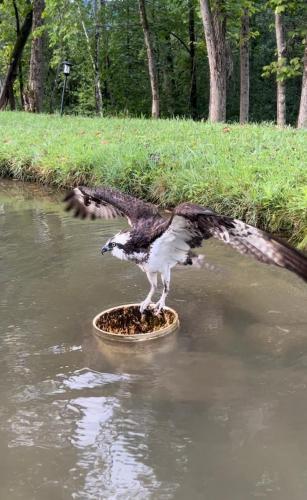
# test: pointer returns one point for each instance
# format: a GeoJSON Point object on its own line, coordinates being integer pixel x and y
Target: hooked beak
{"type": "Point", "coordinates": [104, 250]}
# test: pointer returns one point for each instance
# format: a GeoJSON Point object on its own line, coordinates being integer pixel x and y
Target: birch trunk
{"type": "Point", "coordinates": [98, 92]}
{"type": "Point", "coordinates": [34, 93]}
{"type": "Point", "coordinates": [153, 75]}
{"type": "Point", "coordinates": [215, 33]}
{"type": "Point", "coordinates": [192, 39]}
{"type": "Point", "coordinates": [94, 59]}
{"type": "Point", "coordinates": [244, 67]}
{"type": "Point", "coordinates": [281, 86]}
{"type": "Point", "coordinates": [302, 115]}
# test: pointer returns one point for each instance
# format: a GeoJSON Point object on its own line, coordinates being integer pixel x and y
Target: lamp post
{"type": "Point", "coordinates": [66, 71]}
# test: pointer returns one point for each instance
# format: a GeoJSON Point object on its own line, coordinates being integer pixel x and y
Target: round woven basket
{"type": "Point", "coordinates": [126, 324]}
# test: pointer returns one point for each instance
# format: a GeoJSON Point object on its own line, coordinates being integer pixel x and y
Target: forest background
{"type": "Point", "coordinates": [234, 60]}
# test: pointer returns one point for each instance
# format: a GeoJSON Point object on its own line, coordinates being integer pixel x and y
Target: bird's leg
{"type": "Point", "coordinates": [166, 278]}
{"type": "Point", "coordinates": [152, 278]}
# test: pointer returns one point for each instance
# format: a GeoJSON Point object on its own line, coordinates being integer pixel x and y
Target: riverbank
{"type": "Point", "coordinates": [254, 172]}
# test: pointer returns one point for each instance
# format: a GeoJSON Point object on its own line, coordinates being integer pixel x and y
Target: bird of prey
{"type": "Point", "coordinates": [157, 243]}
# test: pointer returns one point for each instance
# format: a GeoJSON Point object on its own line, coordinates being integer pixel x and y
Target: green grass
{"type": "Point", "coordinates": [254, 172]}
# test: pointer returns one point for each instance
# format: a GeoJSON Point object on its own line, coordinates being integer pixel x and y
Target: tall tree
{"type": "Point", "coordinates": [20, 75]}
{"type": "Point", "coordinates": [25, 30]}
{"type": "Point", "coordinates": [98, 93]}
{"type": "Point", "coordinates": [281, 54]}
{"type": "Point", "coordinates": [214, 21]}
{"type": "Point", "coordinates": [192, 40]}
{"type": "Point", "coordinates": [152, 69]}
{"type": "Point", "coordinates": [302, 115]}
{"type": "Point", "coordinates": [168, 84]}
{"type": "Point", "coordinates": [94, 57]}
{"type": "Point", "coordinates": [244, 66]}
{"type": "Point", "coordinates": [34, 92]}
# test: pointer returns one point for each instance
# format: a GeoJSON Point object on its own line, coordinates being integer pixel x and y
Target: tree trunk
{"type": "Point", "coordinates": [244, 67]}
{"type": "Point", "coordinates": [98, 92]}
{"type": "Point", "coordinates": [153, 75]}
{"type": "Point", "coordinates": [20, 64]}
{"type": "Point", "coordinates": [214, 22]}
{"type": "Point", "coordinates": [106, 89]}
{"type": "Point", "coordinates": [281, 86]}
{"type": "Point", "coordinates": [169, 86]}
{"type": "Point", "coordinates": [129, 56]}
{"type": "Point", "coordinates": [34, 92]}
{"type": "Point", "coordinates": [302, 115]}
{"type": "Point", "coordinates": [15, 58]}
{"type": "Point", "coordinates": [12, 98]}
{"type": "Point", "coordinates": [21, 87]}
{"type": "Point", "coordinates": [192, 39]}
{"type": "Point", "coordinates": [94, 60]}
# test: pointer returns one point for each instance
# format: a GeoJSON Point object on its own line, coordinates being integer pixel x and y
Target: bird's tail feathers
{"type": "Point", "coordinates": [197, 262]}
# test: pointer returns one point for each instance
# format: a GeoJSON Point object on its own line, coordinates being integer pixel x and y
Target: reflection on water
{"type": "Point", "coordinates": [216, 410]}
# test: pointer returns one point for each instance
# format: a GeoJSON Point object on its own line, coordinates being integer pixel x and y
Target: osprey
{"type": "Point", "coordinates": [156, 244]}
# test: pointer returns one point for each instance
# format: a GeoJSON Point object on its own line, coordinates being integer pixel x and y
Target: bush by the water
{"type": "Point", "coordinates": [254, 172]}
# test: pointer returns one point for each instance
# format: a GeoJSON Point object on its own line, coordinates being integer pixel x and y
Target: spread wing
{"type": "Point", "coordinates": [107, 203]}
{"type": "Point", "coordinates": [202, 223]}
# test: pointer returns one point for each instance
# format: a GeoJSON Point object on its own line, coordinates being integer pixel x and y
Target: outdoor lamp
{"type": "Point", "coordinates": [66, 68]}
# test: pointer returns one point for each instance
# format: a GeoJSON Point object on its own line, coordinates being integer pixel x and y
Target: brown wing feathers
{"type": "Point", "coordinates": [87, 205]}
{"type": "Point", "coordinates": [245, 239]}
{"type": "Point", "coordinates": [107, 203]}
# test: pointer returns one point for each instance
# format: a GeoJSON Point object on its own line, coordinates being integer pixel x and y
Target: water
{"type": "Point", "coordinates": [216, 411]}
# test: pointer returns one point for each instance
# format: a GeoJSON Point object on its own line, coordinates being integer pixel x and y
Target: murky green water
{"type": "Point", "coordinates": [217, 411]}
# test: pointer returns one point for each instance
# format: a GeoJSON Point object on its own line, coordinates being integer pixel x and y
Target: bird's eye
{"type": "Point", "coordinates": [113, 245]}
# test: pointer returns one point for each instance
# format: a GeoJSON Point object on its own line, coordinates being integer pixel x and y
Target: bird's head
{"type": "Point", "coordinates": [115, 245]}
{"type": "Point", "coordinates": [108, 247]}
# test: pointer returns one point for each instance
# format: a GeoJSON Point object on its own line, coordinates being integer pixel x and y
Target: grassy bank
{"type": "Point", "coordinates": [255, 172]}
